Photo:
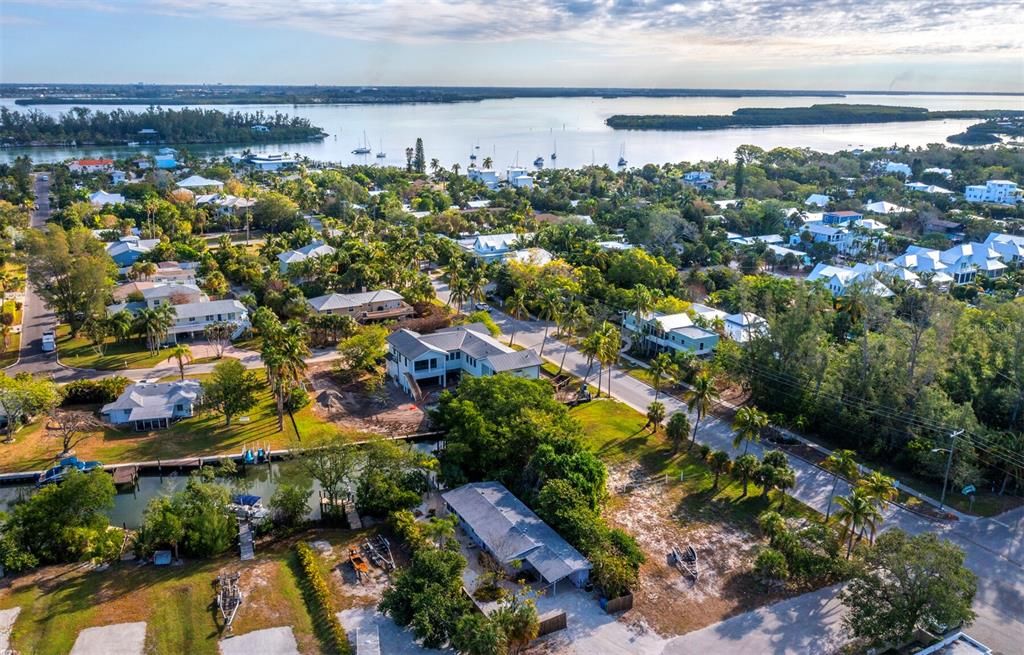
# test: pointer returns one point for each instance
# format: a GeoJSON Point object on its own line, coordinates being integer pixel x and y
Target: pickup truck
{"type": "Point", "coordinates": [49, 342]}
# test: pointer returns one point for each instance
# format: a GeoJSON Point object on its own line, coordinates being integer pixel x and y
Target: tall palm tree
{"type": "Point", "coordinates": [878, 487]}
{"type": "Point", "coordinates": [284, 352]}
{"type": "Point", "coordinates": [181, 353]}
{"type": "Point", "coordinates": [550, 307]}
{"type": "Point", "coordinates": [748, 424]}
{"type": "Point", "coordinates": [515, 307]}
{"type": "Point", "coordinates": [642, 302]}
{"type": "Point", "coordinates": [591, 349]}
{"type": "Point", "coordinates": [6, 282]}
{"type": "Point", "coordinates": [701, 398]}
{"type": "Point", "coordinates": [121, 325]}
{"type": "Point", "coordinates": [153, 324]}
{"type": "Point", "coordinates": [488, 162]}
{"type": "Point", "coordinates": [476, 283]}
{"type": "Point", "coordinates": [611, 343]}
{"type": "Point", "coordinates": [574, 320]}
{"type": "Point", "coordinates": [839, 463]}
{"type": "Point", "coordinates": [856, 514]}
{"type": "Point", "coordinates": [662, 369]}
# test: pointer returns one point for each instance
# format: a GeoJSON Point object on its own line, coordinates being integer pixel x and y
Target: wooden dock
{"type": "Point", "coordinates": [245, 540]}
{"type": "Point", "coordinates": [352, 516]}
{"type": "Point", "coordinates": [126, 475]}
{"type": "Point", "coordinates": [368, 641]}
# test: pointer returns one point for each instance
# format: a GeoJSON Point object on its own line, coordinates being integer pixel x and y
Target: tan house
{"type": "Point", "coordinates": [384, 304]}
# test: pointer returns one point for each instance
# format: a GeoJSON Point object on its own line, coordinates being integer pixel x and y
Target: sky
{"type": "Point", "coordinates": [881, 45]}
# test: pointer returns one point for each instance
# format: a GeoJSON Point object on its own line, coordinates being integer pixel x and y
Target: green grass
{"type": "Point", "coordinates": [79, 353]}
{"type": "Point", "coordinates": [616, 433]}
{"type": "Point", "coordinates": [254, 343]}
{"type": "Point", "coordinates": [176, 603]}
{"type": "Point", "coordinates": [10, 355]}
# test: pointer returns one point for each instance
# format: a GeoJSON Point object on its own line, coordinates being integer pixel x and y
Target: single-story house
{"type": "Point", "coordinates": [838, 279]}
{"type": "Point", "coordinates": [91, 166]}
{"type": "Point", "coordinates": [817, 200]}
{"type": "Point", "coordinates": [384, 304]}
{"type": "Point", "coordinates": [127, 250]}
{"type": "Point", "coordinates": [883, 207]}
{"type": "Point", "coordinates": [508, 530]}
{"type": "Point", "coordinates": [225, 204]}
{"type": "Point", "coordinates": [100, 198]}
{"type": "Point", "coordinates": [312, 251]}
{"type": "Point", "coordinates": [153, 405]}
{"type": "Point", "coordinates": [927, 188]}
{"type": "Point", "coordinates": [415, 358]}
{"type": "Point", "coordinates": [199, 182]}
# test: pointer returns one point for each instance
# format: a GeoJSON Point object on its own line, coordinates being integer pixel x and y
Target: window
{"type": "Point", "coordinates": [433, 363]}
{"type": "Point", "coordinates": [209, 317]}
{"type": "Point", "coordinates": [421, 365]}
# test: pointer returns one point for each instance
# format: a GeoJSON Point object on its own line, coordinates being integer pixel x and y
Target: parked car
{"type": "Point", "coordinates": [49, 342]}
{"type": "Point", "coordinates": [482, 307]}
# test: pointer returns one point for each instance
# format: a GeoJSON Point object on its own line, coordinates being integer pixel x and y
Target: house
{"type": "Point", "coordinates": [532, 256]}
{"type": "Point", "coordinates": [519, 178]}
{"type": "Point", "coordinates": [898, 168]}
{"type": "Point", "coordinates": [384, 304]}
{"type": "Point", "coordinates": [172, 294]}
{"type": "Point", "coordinates": [924, 262]}
{"type": "Point", "coordinates": [127, 250]}
{"type": "Point", "coordinates": [504, 527]}
{"type": "Point", "coordinates": [165, 162]}
{"type": "Point", "coordinates": [312, 251]}
{"type": "Point", "coordinates": [153, 405]}
{"type": "Point", "coordinates": [1000, 192]}
{"type": "Point", "coordinates": [700, 180]}
{"type": "Point", "coordinates": [614, 246]}
{"type": "Point", "coordinates": [956, 642]}
{"type": "Point", "coordinates": [172, 273]}
{"type": "Point", "coordinates": [199, 182]}
{"type": "Point", "coordinates": [142, 163]}
{"type": "Point", "coordinates": [100, 198]}
{"type": "Point", "coordinates": [1010, 248]}
{"type": "Point", "coordinates": [944, 172]}
{"type": "Point", "coordinates": [817, 200]}
{"type": "Point", "coordinates": [844, 216]}
{"type": "Point", "coordinates": [269, 162]}
{"type": "Point", "coordinates": [744, 326]}
{"type": "Point", "coordinates": [225, 204]}
{"type": "Point", "coordinates": [260, 128]}
{"type": "Point", "coordinates": [926, 188]}
{"type": "Point", "coordinates": [91, 166]}
{"type": "Point", "coordinates": [493, 247]}
{"type": "Point", "coordinates": [118, 177]}
{"type": "Point", "coordinates": [486, 176]}
{"type": "Point", "coordinates": [124, 293]}
{"type": "Point", "coordinates": [883, 207]}
{"type": "Point", "coordinates": [940, 226]}
{"type": "Point", "coordinates": [839, 279]}
{"type": "Point", "coordinates": [966, 260]}
{"type": "Point", "coordinates": [191, 319]}
{"type": "Point", "coordinates": [415, 359]}
{"type": "Point", "coordinates": [672, 332]}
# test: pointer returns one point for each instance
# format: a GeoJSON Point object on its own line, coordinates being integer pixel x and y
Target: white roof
{"type": "Point", "coordinates": [213, 307]}
{"type": "Point", "coordinates": [534, 256]}
{"type": "Point", "coordinates": [926, 188]}
{"type": "Point", "coordinates": [818, 199]}
{"type": "Point", "coordinates": [497, 242]}
{"type": "Point", "coordinates": [148, 400]}
{"type": "Point", "coordinates": [101, 198]}
{"type": "Point", "coordinates": [346, 300]}
{"type": "Point", "coordinates": [883, 207]}
{"type": "Point", "coordinates": [614, 245]}
{"type": "Point", "coordinates": [195, 181]}
{"type": "Point", "coordinates": [315, 249]}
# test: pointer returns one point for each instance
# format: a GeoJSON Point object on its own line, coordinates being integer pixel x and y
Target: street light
{"type": "Point", "coordinates": [949, 462]}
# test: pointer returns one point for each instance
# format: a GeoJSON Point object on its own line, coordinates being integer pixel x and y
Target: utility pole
{"type": "Point", "coordinates": [949, 462]}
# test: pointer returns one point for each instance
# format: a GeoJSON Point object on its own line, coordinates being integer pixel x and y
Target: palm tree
{"type": "Point", "coordinates": [678, 429]}
{"type": "Point", "coordinates": [435, 165]}
{"type": "Point", "coordinates": [880, 488]}
{"type": "Point", "coordinates": [720, 463]}
{"type": "Point", "coordinates": [746, 466]}
{"type": "Point", "coordinates": [440, 529]}
{"type": "Point", "coordinates": [655, 415]}
{"type": "Point", "coordinates": [455, 169]}
{"type": "Point", "coordinates": [856, 513]}
{"type": "Point", "coordinates": [121, 325]}
{"type": "Point", "coordinates": [153, 325]}
{"type": "Point", "coordinates": [476, 283]}
{"type": "Point", "coordinates": [748, 424]}
{"type": "Point", "coordinates": [515, 306]}
{"type": "Point", "coordinates": [662, 368]}
{"type": "Point", "coordinates": [181, 353]}
{"type": "Point", "coordinates": [839, 463]}
{"type": "Point", "coordinates": [700, 399]}
{"type": "Point", "coordinates": [609, 353]}
{"type": "Point", "coordinates": [784, 479]}
{"type": "Point", "coordinates": [642, 301]}
{"type": "Point", "coordinates": [6, 281]}
{"type": "Point", "coordinates": [772, 524]}
{"type": "Point", "coordinates": [488, 162]}
{"type": "Point", "coordinates": [284, 352]}
{"type": "Point", "coordinates": [591, 348]}
{"type": "Point", "coordinates": [574, 320]}
{"type": "Point", "coordinates": [550, 306]}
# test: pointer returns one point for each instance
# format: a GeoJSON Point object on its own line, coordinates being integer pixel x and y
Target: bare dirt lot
{"type": "Point", "coordinates": [389, 412]}
{"type": "Point", "coordinates": [666, 600]}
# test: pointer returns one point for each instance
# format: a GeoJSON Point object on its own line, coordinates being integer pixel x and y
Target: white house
{"type": "Point", "coordinates": [944, 172]}
{"type": "Point", "coordinates": [199, 182]}
{"type": "Point", "coordinates": [701, 180]}
{"type": "Point", "coordinates": [486, 176]}
{"type": "Point", "coordinates": [493, 247]}
{"type": "Point", "coordinates": [927, 188]}
{"type": "Point", "coordinates": [1010, 248]}
{"type": "Point", "coordinates": [899, 168]}
{"type": "Point", "coordinates": [672, 332]}
{"type": "Point", "coordinates": [225, 204]}
{"type": "Point", "coordinates": [118, 177]}
{"type": "Point", "coordinates": [172, 294]}
{"type": "Point", "coordinates": [740, 327]}
{"type": "Point", "coordinates": [532, 256]}
{"type": "Point", "coordinates": [519, 178]}
{"type": "Point", "coordinates": [153, 405]}
{"type": "Point", "coordinates": [839, 279]}
{"type": "Point", "coordinates": [437, 358]}
{"type": "Point", "coordinates": [312, 251]}
{"type": "Point", "coordinates": [91, 166]}
{"type": "Point", "coordinates": [269, 162]}
{"type": "Point", "coordinates": [883, 207]}
{"type": "Point", "coordinates": [925, 263]}
{"type": "Point", "coordinates": [384, 304]}
{"type": "Point", "coordinates": [1001, 192]}
{"type": "Point", "coordinates": [817, 200]}
{"type": "Point", "coordinates": [614, 246]}
{"type": "Point", "coordinates": [100, 198]}
{"type": "Point", "coordinates": [966, 260]}
{"type": "Point", "coordinates": [504, 527]}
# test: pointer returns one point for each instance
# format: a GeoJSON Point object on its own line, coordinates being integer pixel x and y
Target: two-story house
{"type": "Point", "coordinates": [965, 261]}
{"type": "Point", "coordinates": [1001, 192]}
{"type": "Point", "coordinates": [671, 332]}
{"type": "Point", "coordinates": [438, 358]}
{"type": "Point", "coordinates": [839, 279]}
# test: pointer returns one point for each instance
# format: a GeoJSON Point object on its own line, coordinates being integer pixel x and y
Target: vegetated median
{"type": "Point", "coordinates": [824, 114]}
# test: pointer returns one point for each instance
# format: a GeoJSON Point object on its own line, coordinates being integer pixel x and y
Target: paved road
{"type": "Point", "coordinates": [994, 548]}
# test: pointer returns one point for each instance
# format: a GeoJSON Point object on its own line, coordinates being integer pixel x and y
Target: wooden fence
{"type": "Point", "coordinates": [552, 622]}
{"type": "Point", "coordinates": [620, 604]}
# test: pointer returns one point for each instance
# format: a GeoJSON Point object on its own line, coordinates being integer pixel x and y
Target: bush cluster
{"type": "Point", "coordinates": [86, 392]}
{"type": "Point", "coordinates": [324, 611]}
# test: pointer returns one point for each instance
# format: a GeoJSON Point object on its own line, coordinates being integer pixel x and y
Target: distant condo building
{"type": "Point", "coordinates": [1001, 192]}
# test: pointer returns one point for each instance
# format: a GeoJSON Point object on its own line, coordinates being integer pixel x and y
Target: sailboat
{"type": "Point", "coordinates": [472, 156]}
{"type": "Point", "coordinates": [538, 162]}
{"type": "Point", "coordinates": [363, 148]}
{"type": "Point", "coordinates": [622, 156]}
{"type": "Point", "coordinates": [554, 152]}
{"type": "Point", "coordinates": [380, 153]}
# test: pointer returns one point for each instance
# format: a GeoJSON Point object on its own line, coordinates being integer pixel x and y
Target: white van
{"type": "Point", "coordinates": [49, 342]}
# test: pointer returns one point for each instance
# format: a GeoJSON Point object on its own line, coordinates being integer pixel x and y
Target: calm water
{"type": "Point", "coordinates": [520, 129]}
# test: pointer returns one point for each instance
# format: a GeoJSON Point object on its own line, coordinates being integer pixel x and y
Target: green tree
{"type": "Point", "coordinates": [720, 463]}
{"type": "Point", "coordinates": [290, 504]}
{"type": "Point", "coordinates": [662, 369]}
{"type": "Point", "coordinates": [275, 212]}
{"type": "Point", "coordinates": [364, 351]}
{"type": "Point", "coordinates": [161, 525]}
{"type": "Point", "coordinates": [880, 488]}
{"type": "Point", "coordinates": [678, 429]}
{"type": "Point", "coordinates": [748, 424]}
{"type": "Point", "coordinates": [655, 415]}
{"type": "Point", "coordinates": [230, 390]}
{"type": "Point", "coordinates": [839, 463]}
{"type": "Point", "coordinates": [856, 513]}
{"type": "Point", "coordinates": [181, 354]}
{"type": "Point", "coordinates": [746, 467]}
{"type": "Point", "coordinates": [517, 621]}
{"type": "Point", "coordinates": [476, 634]}
{"type": "Point", "coordinates": [419, 162]}
{"type": "Point", "coordinates": [771, 565]}
{"type": "Point", "coordinates": [392, 477]}
{"type": "Point", "coordinates": [701, 398]}
{"type": "Point", "coordinates": [908, 583]}
{"type": "Point", "coordinates": [71, 271]}
{"type": "Point", "coordinates": [515, 307]}
{"type": "Point", "coordinates": [332, 462]}
{"type": "Point", "coordinates": [23, 396]}
{"type": "Point", "coordinates": [427, 595]}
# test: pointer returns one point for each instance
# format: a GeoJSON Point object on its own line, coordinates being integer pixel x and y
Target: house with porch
{"type": "Point", "coordinates": [968, 260]}
{"type": "Point", "coordinates": [127, 250]}
{"type": "Point", "coordinates": [381, 305]}
{"type": "Point", "coordinates": [153, 405]}
{"type": "Point", "coordinates": [839, 279]}
{"type": "Point", "coordinates": [671, 332]}
{"type": "Point", "coordinates": [505, 528]}
{"type": "Point", "coordinates": [440, 357]}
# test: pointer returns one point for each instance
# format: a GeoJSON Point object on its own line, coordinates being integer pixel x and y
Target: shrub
{"type": "Point", "coordinates": [320, 595]}
{"type": "Point", "coordinates": [88, 392]}
{"type": "Point", "coordinates": [771, 565]}
{"type": "Point", "coordinates": [613, 574]}
{"type": "Point", "coordinates": [296, 400]}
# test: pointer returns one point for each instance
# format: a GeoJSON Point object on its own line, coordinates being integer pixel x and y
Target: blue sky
{"type": "Point", "coordinates": [903, 45]}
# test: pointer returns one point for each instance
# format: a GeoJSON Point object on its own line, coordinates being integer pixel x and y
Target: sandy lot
{"type": "Point", "coordinates": [391, 412]}
{"type": "Point", "coordinates": [7, 619]}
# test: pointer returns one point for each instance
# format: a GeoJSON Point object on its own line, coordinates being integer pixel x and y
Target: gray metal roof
{"type": "Point", "coordinates": [409, 344]}
{"type": "Point", "coordinates": [514, 361]}
{"type": "Point", "coordinates": [346, 300]}
{"type": "Point", "coordinates": [510, 530]}
{"type": "Point", "coordinates": [148, 400]}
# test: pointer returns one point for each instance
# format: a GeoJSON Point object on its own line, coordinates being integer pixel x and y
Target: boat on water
{"type": "Point", "coordinates": [554, 151]}
{"type": "Point", "coordinates": [538, 162]}
{"type": "Point", "coordinates": [380, 153]}
{"type": "Point", "coordinates": [622, 156]}
{"type": "Point", "coordinates": [363, 148]}
{"type": "Point", "coordinates": [60, 472]}
{"type": "Point", "coordinates": [248, 506]}
{"type": "Point", "coordinates": [472, 156]}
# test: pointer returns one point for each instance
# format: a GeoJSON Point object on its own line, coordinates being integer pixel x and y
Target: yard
{"type": "Point", "coordinates": [78, 352]}
{"type": "Point", "coordinates": [685, 509]}
{"type": "Point", "coordinates": [205, 434]}
{"type": "Point", "coordinates": [176, 602]}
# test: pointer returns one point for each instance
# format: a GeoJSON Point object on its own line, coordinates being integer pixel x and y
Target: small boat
{"type": "Point", "coordinates": [622, 156]}
{"type": "Point", "coordinates": [538, 162]}
{"type": "Point", "coordinates": [359, 564]}
{"type": "Point", "coordinates": [248, 506]}
{"type": "Point", "coordinates": [133, 143]}
{"type": "Point", "coordinates": [363, 148]}
{"type": "Point", "coordinates": [380, 153]}
{"type": "Point", "coordinates": [65, 466]}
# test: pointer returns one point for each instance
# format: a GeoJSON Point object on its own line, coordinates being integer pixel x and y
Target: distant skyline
{"type": "Point", "coordinates": [879, 45]}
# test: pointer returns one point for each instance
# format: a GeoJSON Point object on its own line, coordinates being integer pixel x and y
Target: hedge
{"type": "Point", "coordinates": [104, 390]}
{"type": "Point", "coordinates": [324, 612]}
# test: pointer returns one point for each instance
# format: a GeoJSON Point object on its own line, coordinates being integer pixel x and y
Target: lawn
{"type": "Point", "coordinates": [205, 434]}
{"type": "Point", "coordinates": [79, 353]}
{"type": "Point", "coordinates": [10, 355]}
{"type": "Point", "coordinates": [615, 432]}
{"type": "Point", "coordinates": [176, 602]}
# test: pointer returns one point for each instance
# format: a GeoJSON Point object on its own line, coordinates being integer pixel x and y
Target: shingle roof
{"type": "Point", "coordinates": [148, 400]}
{"type": "Point", "coordinates": [345, 300]}
{"type": "Point", "coordinates": [514, 361]}
{"type": "Point", "coordinates": [510, 530]}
